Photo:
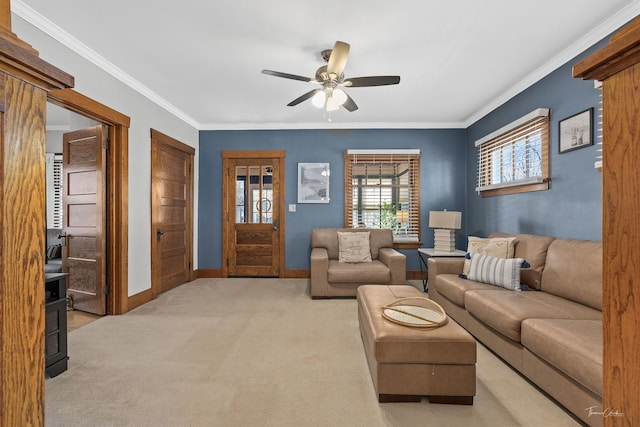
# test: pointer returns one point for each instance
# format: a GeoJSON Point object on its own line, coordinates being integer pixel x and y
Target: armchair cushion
{"type": "Point", "coordinates": [354, 247]}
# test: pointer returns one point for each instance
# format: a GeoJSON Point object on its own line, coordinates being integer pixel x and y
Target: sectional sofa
{"type": "Point", "coordinates": [551, 333]}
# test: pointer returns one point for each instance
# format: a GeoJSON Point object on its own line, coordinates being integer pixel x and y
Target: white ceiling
{"type": "Point", "coordinates": [202, 60]}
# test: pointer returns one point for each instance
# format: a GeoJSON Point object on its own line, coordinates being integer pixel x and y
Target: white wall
{"type": "Point", "coordinates": [96, 84]}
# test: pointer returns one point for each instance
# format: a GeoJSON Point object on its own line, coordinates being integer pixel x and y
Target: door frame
{"type": "Point", "coordinates": [228, 212]}
{"type": "Point", "coordinates": [117, 191]}
{"type": "Point", "coordinates": [158, 138]}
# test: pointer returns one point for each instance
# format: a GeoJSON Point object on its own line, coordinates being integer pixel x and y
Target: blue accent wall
{"type": "Point", "coordinates": [572, 207]}
{"type": "Point", "coordinates": [442, 175]}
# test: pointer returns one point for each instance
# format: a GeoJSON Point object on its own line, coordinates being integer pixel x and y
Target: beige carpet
{"type": "Point", "coordinates": [247, 352]}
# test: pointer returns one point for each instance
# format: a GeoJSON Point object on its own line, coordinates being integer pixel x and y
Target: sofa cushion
{"type": "Point", "coordinates": [534, 249]}
{"type": "Point", "coordinates": [453, 287]}
{"type": "Point", "coordinates": [369, 272]}
{"type": "Point", "coordinates": [498, 247]}
{"type": "Point", "coordinates": [572, 346]}
{"type": "Point", "coordinates": [354, 247]}
{"type": "Point", "coordinates": [574, 271]}
{"type": "Point", "coordinates": [503, 272]}
{"type": "Point", "coordinates": [505, 311]}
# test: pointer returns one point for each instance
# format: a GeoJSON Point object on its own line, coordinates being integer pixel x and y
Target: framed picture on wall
{"type": "Point", "coordinates": [576, 131]}
{"type": "Point", "coordinates": [313, 182]}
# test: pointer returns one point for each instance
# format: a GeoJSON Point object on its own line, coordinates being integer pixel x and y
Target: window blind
{"type": "Point", "coordinates": [516, 154]}
{"type": "Point", "coordinates": [598, 162]}
{"type": "Point", "coordinates": [54, 190]}
{"type": "Point", "coordinates": [382, 190]}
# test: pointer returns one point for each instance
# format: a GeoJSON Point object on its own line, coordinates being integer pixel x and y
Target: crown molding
{"type": "Point", "coordinates": [331, 125]}
{"type": "Point", "coordinates": [598, 33]}
{"type": "Point", "coordinates": [46, 26]}
{"type": "Point", "coordinates": [594, 36]}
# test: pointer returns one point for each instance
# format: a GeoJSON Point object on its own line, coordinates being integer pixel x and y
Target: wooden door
{"type": "Point", "coordinates": [84, 251]}
{"type": "Point", "coordinates": [253, 191]}
{"type": "Point", "coordinates": [171, 212]}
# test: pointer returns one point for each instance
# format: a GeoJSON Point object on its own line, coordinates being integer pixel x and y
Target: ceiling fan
{"type": "Point", "coordinates": [331, 77]}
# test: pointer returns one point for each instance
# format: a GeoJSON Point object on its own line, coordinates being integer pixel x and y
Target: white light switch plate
{"type": "Point", "coordinates": [292, 208]}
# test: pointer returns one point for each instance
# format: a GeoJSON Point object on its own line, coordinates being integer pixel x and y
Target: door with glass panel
{"type": "Point", "coordinates": [252, 233]}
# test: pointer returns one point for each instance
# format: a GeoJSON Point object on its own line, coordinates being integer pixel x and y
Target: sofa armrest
{"type": "Point", "coordinates": [319, 272]}
{"type": "Point", "coordinates": [397, 263]}
{"type": "Point", "coordinates": [444, 266]}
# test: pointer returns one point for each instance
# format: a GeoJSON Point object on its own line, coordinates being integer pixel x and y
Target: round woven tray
{"type": "Point", "coordinates": [417, 312]}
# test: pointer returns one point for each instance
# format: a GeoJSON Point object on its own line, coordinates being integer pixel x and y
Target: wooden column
{"type": "Point", "coordinates": [24, 82]}
{"type": "Point", "coordinates": [618, 66]}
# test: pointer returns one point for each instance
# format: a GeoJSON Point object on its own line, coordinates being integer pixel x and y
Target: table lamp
{"type": "Point", "coordinates": [445, 222]}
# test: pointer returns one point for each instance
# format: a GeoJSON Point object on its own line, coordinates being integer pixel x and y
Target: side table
{"type": "Point", "coordinates": [425, 253]}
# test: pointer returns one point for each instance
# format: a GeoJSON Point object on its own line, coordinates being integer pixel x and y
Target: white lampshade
{"type": "Point", "coordinates": [336, 99]}
{"type": "Point", "coordinates": [319, 99]}
{"type": "Point", "coordinates": [445, 219]}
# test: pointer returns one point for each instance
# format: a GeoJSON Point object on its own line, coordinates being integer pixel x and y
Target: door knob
{"type": "Point", "coordinates": [159, 233]}
{"type": "Point", "coordinates": [276, 225]}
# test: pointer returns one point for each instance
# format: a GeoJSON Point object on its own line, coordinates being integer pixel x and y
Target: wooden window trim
{"type": "Point", "coordinates": [511, 129]}
{"type": "Point", "coordinates": [388, 156]}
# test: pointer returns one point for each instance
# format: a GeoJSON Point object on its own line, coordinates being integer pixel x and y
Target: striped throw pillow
{"type": "Point", "coordinates": [503, 272]}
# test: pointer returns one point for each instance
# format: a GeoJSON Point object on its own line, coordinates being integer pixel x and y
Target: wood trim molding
{"type": "Point", "coordinates": [297, 274]}
{"type": "Point", "coordinates": [617, 65]}
{"type": "Point", "coordinates": [414, 275]}
{"type": "Point", "coordinates": [253, 154]}
{"type": "Point", "coordinates": [118, 190]}
{"type": "Point", "coordinates": [140, 298]}
{"type": "Point", "coordinates": [518, 189]}
{"type": "Point", "coordinates": [209, 273]}
{"type": "Point", "coordinates": [622, 52]}
{"type": "Point", "coordinates": [81, 104]}
{"type": "Point", "coordinates": [172, 142]}
{"type": "Point", "coordinates": [24, 82]}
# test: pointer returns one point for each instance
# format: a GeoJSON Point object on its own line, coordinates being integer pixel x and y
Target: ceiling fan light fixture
{"type": "Point", "coordinates": [330, 76]}
{"type": "Point", "coordinates": [339, 96]}
{"type": "Point", "coordinates": [319, 99]}
{"type": "Point", "coordinates": [336, 98]}
{"type": "Point", "coordinates": [332, 104]}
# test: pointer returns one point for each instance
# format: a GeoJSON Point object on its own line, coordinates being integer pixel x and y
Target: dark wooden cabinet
{"type": "Point", "coordinates": [55, 332]}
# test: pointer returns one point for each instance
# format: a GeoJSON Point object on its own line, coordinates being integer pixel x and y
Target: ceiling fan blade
{"type": "Point", "coordinates": [371, 81]}
{"type": "Point", "coordinates": [349, 104]}
{"type": "Point", "coordinates": [338, 58]}
{"type": "Point", "coordinates": [304, 97]}
{"type": "Point", "coordinates": [286, 75]}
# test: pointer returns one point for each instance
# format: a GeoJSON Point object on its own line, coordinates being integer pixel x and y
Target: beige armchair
{"type": "Point", "coordinates": [330, 278]}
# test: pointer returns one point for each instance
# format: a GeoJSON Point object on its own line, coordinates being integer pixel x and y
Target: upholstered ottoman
{"type": "Point", "coordinates": [407, 363]}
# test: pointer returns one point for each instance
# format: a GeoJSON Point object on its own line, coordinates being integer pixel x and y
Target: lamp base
{"type": "Point", "coordinates": [444, 240]}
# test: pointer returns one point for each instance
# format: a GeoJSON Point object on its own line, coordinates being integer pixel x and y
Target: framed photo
{"type": "Point", "coordinates": [576, 131]}
{"type": "Point", "coordinates": [313, 182]}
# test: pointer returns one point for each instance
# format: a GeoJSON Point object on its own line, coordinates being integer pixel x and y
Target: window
{"type": "Point", "coordinates": [515, 158]}
{"type": "Point", "coordinates": [54, 190]}
{"type": "Point", "coordinates": [382, 190]}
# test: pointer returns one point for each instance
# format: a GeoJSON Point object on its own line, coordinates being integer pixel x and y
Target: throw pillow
{"type": "Point", "coordinates": [54, 251]}
{"type": "Point", "coordinates": [500, 247]}
{"type": "Point", "coordinates": [354, 247]}
{"type": "Point", "coordinates": [503, 272]}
